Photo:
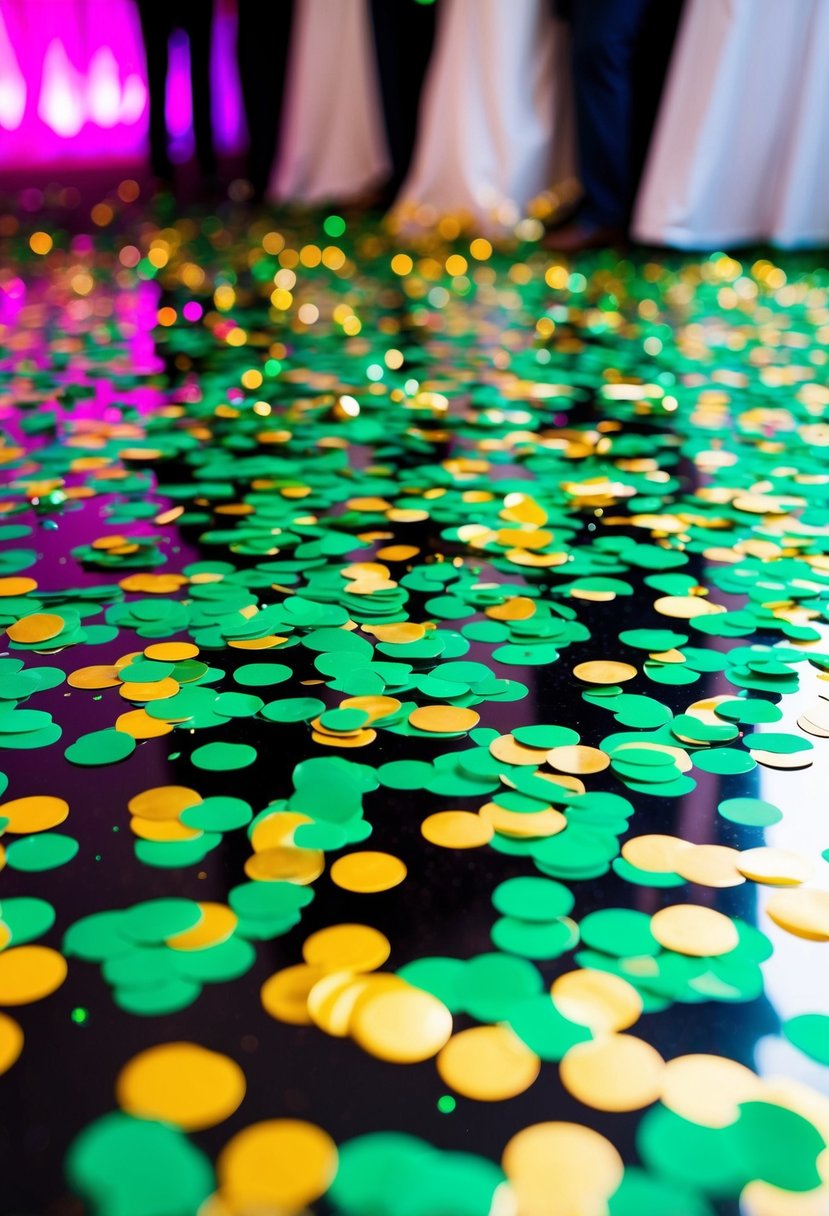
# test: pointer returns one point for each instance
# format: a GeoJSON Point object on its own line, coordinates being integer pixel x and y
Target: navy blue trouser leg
{"type": "Point", "coordinates": [605, 34]}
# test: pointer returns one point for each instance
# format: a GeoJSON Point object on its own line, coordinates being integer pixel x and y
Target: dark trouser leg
{"type": "Point", "coordinates": [605, 36]}
{"type": "Point", "coordinates": [197, 21]}
{"type": "Point", "coordinates": [404, 33]}
{"type": "Point", "coordinates": [264, 36]}
{"type": "Point", "coordinates": [156, 28]}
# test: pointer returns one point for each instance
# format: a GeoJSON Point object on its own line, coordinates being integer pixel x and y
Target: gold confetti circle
{"type": "Point", "coordinates": [98, 676]}
{"type": "Point", "coordinates": [37, 813]}
{"type": "Point", "coordinates": [443, 719]}
{"type": "Point", "coordinates": [280, 1163]}
{"type": "Point", "coordinates": [803, 912]}
{"type": "Point", "coordinates": [578, 758]}
{"type": "Point", "coordinates": [139, 724]}
{"type": "Point", "coordinates": [692, 929]}
{"type": "Point", "coordinates": [39, 627]}
{"type": "Point", "coordinates": [285, 995]}
{"type": "Point", "coordinates": [710, 865]}
{"type": "Point", "coordinates": [654, 852]}
{"type": "Point", "coordinates": [615, 1072]}
{"type": "Point", "coordinates": [523, 824]}
{"type": "Point", "coordinates": [604, 671]}
{"type": "Point", "coordinates": [216, 925]}
{"type": "Point", "coordinates": [300, 866]}
{"type": "Point", "coordinates": [163, 802]}
{"type": "Point", "coordinates": [11, 1042]}
{"type": "Point", "coordinates": [17, 585]}
{"type": "Point", "coordinates": [598, 999]}
{"type": "Point", "coordinates": [456, 830]}
{"type": "Point", "coordinates": [29, 973]}
{"type": "Point", "coordinates": [686, 607]}
{"type": "Point", "coordinates": [573, 1163]}
{"type": "Point", "coordinates": [346, 948]}
{"type": "Point", "coordinates": [774, 867]}
{"type": "Point", "coordinates": [488, 1063]}
{"type": "Point", "coordinates": [171, 652]}
{"type": "Point", "coordinates": [509, 750]}
{"type": "Point", "coordinates": [368, 872]}
{"type": "Point", "coordinates": [400, 1023]}
{"type": "Point", "coordinates": [708, 1089]}
{"type": "Point", "coordinates": [181, 1083]}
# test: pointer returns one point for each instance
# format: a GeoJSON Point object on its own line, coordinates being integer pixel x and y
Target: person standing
{"type": "Point", "coordinates": [404, 33]}
{"type": "Point", "coordinates": [159, 18]}
{"type": "Point", "coordinates": [263, 38]}
{"type": "Point", "coordinates": [619, 52]}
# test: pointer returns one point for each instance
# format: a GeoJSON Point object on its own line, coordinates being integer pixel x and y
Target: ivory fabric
{"type": "Point", "coordinates": [741, 146]}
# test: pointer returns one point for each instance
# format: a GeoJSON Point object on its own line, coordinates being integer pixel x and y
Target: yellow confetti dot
{"type": "Point", "coordinates": [37, 813]}
{"type": "Point", "coordinates": [216, 925]}
{"type": "Point", "coordinates": [615, 1072]}
{"type": "Point", "coordinates": [578, 758]}
{"type": "Point", "coordinates": [456, 830]}
{"type": "Point", "coordinates": [285, 995]}
{"type": "Point", "coordinates": [98, 676]}
{"type": "Point", "coordinates": [11, 1042]}
{"type": "Point", "coordinates": [443, 719]}
{"type": "Point", "coordinates": [803, 912]}
{"type": "Point", "coordinates": [29, 973]}
{"type": "Point", "coordinates": [163, 802]}
{"type": "Point", "coordinates": [162, 829]}
{"type": "Point", "coordinates": [160, 690]}
{"type": "Point", "coordinates": [598, 999]}
{"type": "Point", "coordinates": [775, 867]}
{"type": "Point", "coordinates": [656, 853]}
{"type": "Point", "coordinates": [400, 1023]}
{"type": "Point", "coordinates": [488, 1063]}
{"type": "Point", "coordinates": [281, 1164]}
{"type": "Point", "coordinates": [181, 1083]}
{"type": "Point", "coordinates": [301, 866]}
{"type": "Point", "coordinates": [39, 627]}
{"type": "Point", "coordinates": [139, 724]}
{"type": "Point", "coordinates": [708, 1089]}
{"type": "Point", "coordinates": [686, 607]}
{"type": "Point", "coordinates": [368, 872]}
{"type": "Point", "coordinates": [171, 652]}
{"type": "Point", "coordinates": [692, 929]}
{"type": "Point", "coordinates": [604, 671]}
{"type": "Point", "coordinates": [710, 865]}
{"type": "Point", "coordinates": [17, 586]}
{"type": "Point", "coordinates": [346, 948]}
{"type": "Point", "coordinates": [575, 1164]}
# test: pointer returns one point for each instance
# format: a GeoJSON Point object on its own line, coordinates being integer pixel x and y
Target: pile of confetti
{"type": "Point", "coordinates": [413, 723]}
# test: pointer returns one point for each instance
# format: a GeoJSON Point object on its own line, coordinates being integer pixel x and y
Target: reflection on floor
{"type": "Point", "coordinates": [414, 724]}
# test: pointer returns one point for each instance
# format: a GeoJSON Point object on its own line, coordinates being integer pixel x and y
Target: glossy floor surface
{"type": "Point", "coordinates": [414, 722]}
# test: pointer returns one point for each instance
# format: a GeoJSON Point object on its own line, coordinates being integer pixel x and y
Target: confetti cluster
{"type": "Point", "coordinates": [419, 662]}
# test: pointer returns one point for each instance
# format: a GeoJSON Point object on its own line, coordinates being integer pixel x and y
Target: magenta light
{"type": "Point", "coordinates": [73, 84]}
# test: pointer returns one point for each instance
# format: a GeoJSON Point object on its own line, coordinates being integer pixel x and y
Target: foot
{"type": "Point", "coordinates": [580, 235]}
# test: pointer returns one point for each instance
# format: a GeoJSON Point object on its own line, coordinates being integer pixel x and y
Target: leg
{"type": "Point", "coordinates": [403, 36]}
{"type": "Point", "coordinates": [197, 19]}
{"type": "Point", "coordinates": [605, 36]}
{"type": "Point", "coordinates": [264, 35]}
{"type": "Point", "coordinates": [156, 27]}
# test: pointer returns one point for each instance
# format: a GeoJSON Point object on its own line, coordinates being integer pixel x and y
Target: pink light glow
{"type": "Point", "coordinates": [73, 83]}
{"type": "Point", "coordinates": [12, 83]}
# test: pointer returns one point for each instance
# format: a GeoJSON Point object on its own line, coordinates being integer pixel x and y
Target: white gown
{"type": "Point", "coordinates": [741, 147]}
{"type": "Point", "coordinates": [496, 120]}
{"type": "Point", "coordinates": [333, 143]}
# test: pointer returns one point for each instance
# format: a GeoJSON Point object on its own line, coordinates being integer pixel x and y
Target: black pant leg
{"type": "Point", "coordinates": [156, 27]}
{"type": "Point", "coordinates": [263, 39]}
{"type": "Point", "coordinates": [404, 33]}
{"type": "Point", "coordinates": [197, 21]}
